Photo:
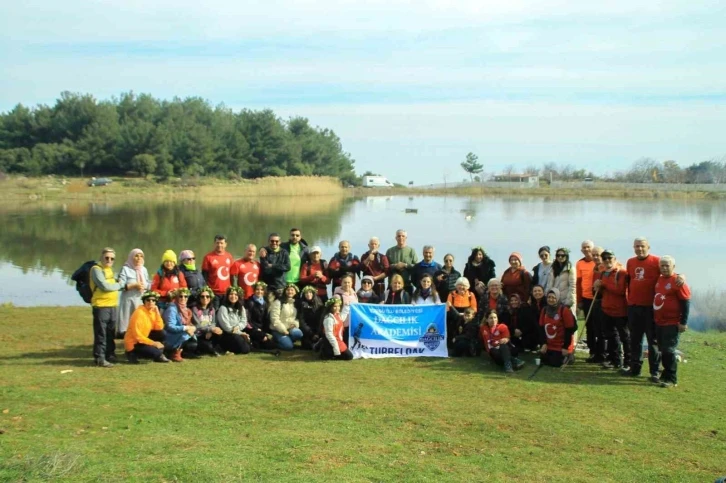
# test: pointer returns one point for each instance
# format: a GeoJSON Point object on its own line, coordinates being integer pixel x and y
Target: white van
{"type": "Point", "coordinates": [376, 182]}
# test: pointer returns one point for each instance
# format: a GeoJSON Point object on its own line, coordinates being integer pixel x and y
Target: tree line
{"type": "Point", "coordinates": [182, 137]}
{"type": "Point", "coordinates": [643, 170]}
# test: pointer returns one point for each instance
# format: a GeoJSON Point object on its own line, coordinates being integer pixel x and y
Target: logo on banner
{"type": "Point", "coordinates": [432, 338]}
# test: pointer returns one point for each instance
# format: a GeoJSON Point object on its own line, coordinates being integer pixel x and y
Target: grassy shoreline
{"type": "Point", "coordinates": [295, 418]}
{"type": "Point", "coordinates": [52, 188]}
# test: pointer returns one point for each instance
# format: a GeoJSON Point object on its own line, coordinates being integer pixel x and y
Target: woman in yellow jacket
{"type": "Point", "coordinates": [145, 335]}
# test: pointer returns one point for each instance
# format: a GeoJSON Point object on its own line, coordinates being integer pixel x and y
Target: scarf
{"type": "Point", "coordinates": [365, 294]}
{"type": "Point", "coordinates": [186, 314]}
{"type": "Point", "coordinates": [131, 263]}
{"type": "Point", "coordinates": [192, 267]}
{"type": "Point", "coordinates": [551, 310]}
{"type": "Point", "coordinates": [425, 293]}
{"type": "Point", "coordinates": [259, 300]}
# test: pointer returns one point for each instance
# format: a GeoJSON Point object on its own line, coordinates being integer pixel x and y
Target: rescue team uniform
{"type": "Point", "coordinates": [642, 277]}
{"type": "Point", "coordinates": [501, 353]}
{"type": "Point", "coordinates": [377, 268]}
{"type": "Point", "coordinates": [104, 303]}
{"type": "Point", "coordinates": [339, 266]}
{"type": "Point", "coordinates": [671, 305]}
{"type": "Point", "coordinates": [247, 272]}
{"type": "Point", "coordinates": [216, 269]}
{"type": "Point", "coordinates": [308, 278]}
{"type": "Point", "coordinates": [556, 333]}
{"type": "Point", "coordinates": [145, 327]}
{"type": "Point", "coordinates": [614, 307]}
{"type": "Point", "coordinates": [453, 318]}
{"type": "Point", "coordinates": [333, 346]}
{"type": "Point", "coordinates": [584, 271]}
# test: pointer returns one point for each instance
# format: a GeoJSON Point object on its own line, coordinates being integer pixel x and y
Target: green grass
{"type": "Point", "coordinates": [293, 418]}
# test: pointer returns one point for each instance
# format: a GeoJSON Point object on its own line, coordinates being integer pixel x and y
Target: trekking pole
{"type": "Point", "coordinates": [582, 329]}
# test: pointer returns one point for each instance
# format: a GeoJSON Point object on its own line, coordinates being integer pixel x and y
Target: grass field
{"type": "Point", "coordinates": [293, 418]}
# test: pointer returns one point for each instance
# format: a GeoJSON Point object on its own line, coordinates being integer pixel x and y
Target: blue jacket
{"type": "Point", "coordinates": [174, 328]}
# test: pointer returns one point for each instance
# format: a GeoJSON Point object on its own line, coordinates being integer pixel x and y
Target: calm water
{"type": "Point", "coordinates": [41, 247]}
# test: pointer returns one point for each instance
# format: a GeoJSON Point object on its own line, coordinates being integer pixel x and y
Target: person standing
{"type": "Point", "coordinates": [427, 266]}
{"type": "Point", "coordinates": [612, 284]}
{"type": "Point", "coordinates": [516, 279]}
{"type": "Point", "coordinates": [104, 303]}
{"type": "Point", "coordinates": [343, 263]}
{"type": "Point", "coordinates": [314, 273]}
{"type": "Point", "coordinates": [375, 264]}
{"type": "Point", "coordinates": [401, 258]}
{"type": "Point", "coordinates": [216, 269]}
{"type": "Point", "coordinates": [542, 271]}
{"type": "Point", "coordinates": [195, 279]}
{"type": "Point", "coordinates": [245, 272]}
{"type": "Point", "coordinates": [479, 269]}
{"type": "Point", "coordinates": [671, 305]}
{"type": "Point", "coordinates": [445, 279]}
{"type": "Point", "coordinates": [274, 264]}
{"type": "Point", "coordinates": [297, 250]}
{"type": "Point", "coordinates": [132, 271]}
{"type": "Point", "coordinates": [584, 268]}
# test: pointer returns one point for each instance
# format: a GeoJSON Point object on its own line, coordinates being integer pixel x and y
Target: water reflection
{"type": "Point", "coordinates": [44, 244]}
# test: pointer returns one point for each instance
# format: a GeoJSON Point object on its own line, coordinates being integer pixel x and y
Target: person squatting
{"type": "Point", "coordinates": [277, 298]}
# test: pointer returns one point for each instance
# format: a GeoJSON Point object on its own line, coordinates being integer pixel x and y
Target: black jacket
{"type": "Point", "coordinates": [273, 268]}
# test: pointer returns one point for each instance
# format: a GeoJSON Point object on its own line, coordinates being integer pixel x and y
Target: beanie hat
{"type": "Point", "coordinates": [518, 256]}
{"type": "Point", "coordinates": [186, 254]}
{"type": "Point", "coordinates": [168, 255]}
{"type": "Point", "coordinates": [368, 278]}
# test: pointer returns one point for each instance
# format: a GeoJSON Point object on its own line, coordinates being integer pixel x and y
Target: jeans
{"type": "Point", "coordinates": [667, 336]}
{"type": "Point", "coordinates": [105, 320]}
{"type": "Point", "coordinates": [285, 342]}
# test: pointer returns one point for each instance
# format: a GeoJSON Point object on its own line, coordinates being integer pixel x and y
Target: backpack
{"type": "Point", "coordinates": [82, 277]}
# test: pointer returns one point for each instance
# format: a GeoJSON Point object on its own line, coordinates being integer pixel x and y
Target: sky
{"type": "Point", "coordinates": [410, 87]}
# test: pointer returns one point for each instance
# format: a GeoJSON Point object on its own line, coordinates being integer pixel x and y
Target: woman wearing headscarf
{"type": "Point", "coordinates": [134, 278]}
{"type": "Point", "coordinates": [542, 271]}
{"type": "Point", "coordinates": [479, 269]}
{"type": "Point", "coordinates": [445, 279]}
{"type": "Point", "coordinates": [232, 319]}
{"type": "Point", "coordinates": [167, 278]}
{"type": "Point", "coordinates": [178, 327]}
{"type": "Point", "coordinates": [195, 279]}
{"type": "Point", "coordinates": [564, 277]}
{"type": "Point", "coordinates": [516, 279]}
{"type": "Point", "coordinates": [557, 326]}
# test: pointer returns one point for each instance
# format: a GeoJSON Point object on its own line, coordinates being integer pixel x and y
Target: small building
{"type": "Point", "coordinates": [517, 178]}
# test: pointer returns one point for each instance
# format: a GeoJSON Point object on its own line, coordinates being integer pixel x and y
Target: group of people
{"type": "Point", "coordinates": [278, 298]}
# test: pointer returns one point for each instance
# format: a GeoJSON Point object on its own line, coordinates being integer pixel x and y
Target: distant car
{"type": "Point", "coordinates": [100, 182]}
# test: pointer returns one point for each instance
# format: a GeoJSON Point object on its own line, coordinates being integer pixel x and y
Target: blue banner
{"type": "Point", "coordinates": [378, 331]}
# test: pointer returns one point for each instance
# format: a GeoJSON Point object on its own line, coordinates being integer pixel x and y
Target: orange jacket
{"type": "Point", "coordinates": [461, 302]}
{"type": "Point", "coordinates": [142, 322]}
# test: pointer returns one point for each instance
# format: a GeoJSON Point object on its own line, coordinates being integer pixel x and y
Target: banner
{"type": "Point", "coordinates": [378, 331]}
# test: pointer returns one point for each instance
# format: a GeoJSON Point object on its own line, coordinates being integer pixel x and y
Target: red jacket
{"type": "Point", "coordinates": [613, 286]}
{"type": "Point", "coordinates": [307, 276]}
{"type": "Point", "coordinates": [162, 285]}
{"type": "Point", "coordinates": [491, 336]}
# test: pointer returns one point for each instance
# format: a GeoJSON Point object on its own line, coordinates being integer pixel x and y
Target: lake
{"type": "Point", "coordinates": [41, 246]}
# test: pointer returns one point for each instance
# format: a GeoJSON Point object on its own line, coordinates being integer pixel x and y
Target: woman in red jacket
{"type": "Point", "coordinates": [167, 278]}
{"type": "Point", "coordinates": [497, 342]}
{"type": "Point", "coordinates": [557, 326]}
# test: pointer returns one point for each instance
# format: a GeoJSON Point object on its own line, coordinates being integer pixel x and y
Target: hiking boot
{"type": "Point", "coordinates": [161, 358]}
{"type": "Point", "coordinates": [630, 373]}
{"type": "Point", "coordinates": [594, 360]}
{"type": "Point", "coordinates": [103, 363]}
{"type": "Point", "coordinates": [112, 358]}
{"type": "Point", "coordinates": [132, 357]}
{"type": "Point", "coordinates": [668, 384]}
{"type": "Point", "coordinates": [654, 379]}
{"type": "Point", "coordinates": [177, 356]}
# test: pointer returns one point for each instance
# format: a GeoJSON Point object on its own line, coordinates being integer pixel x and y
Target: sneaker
{"type": "Point", "coordinates": [161, 358]}
{"type": "Point", "coordinates": [112, 358]}
{"type": "Point", "coordinates": [509, 370]}
{"type": "Point", "coordinates": [595, 360]}
{"type": "Point", "coordinates": [517, 363]}
{"type": "Point", "coordinates": [132, 357]}
{"type": "Point", "coordinates": [103, 363]}
{"type": "Point", "coordinates": [629, 373]}
{"type": "Point", "coordinates": [216, 354]}
{"type": "Point", "coordinates": [607, 365]}
{"type": "Point", "coordinates": [654, 379]}
{"type": "Point", "coordinates": [668, 384]}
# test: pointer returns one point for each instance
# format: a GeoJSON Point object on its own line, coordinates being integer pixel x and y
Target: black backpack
{"type": "Point", "coordinates": [82, 277]}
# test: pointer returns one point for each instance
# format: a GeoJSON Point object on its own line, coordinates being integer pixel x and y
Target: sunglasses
{"type": "Point", "coordinates": [607, 258]}
{"type": "Point", "coordinates": [368, 282]}
{"type": "Point", "coordinates": [183, 296]}
{"type": "Point", "coordinates": [205, 297]}
{"type": "Point", "coordinates": [110, 259]}
{"type": "Point", "coordinates": [274, 241]}
{"type": "Point", "coordinates": [190, 258]}
{"type": "Point", "coordinates": [561, 255]}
